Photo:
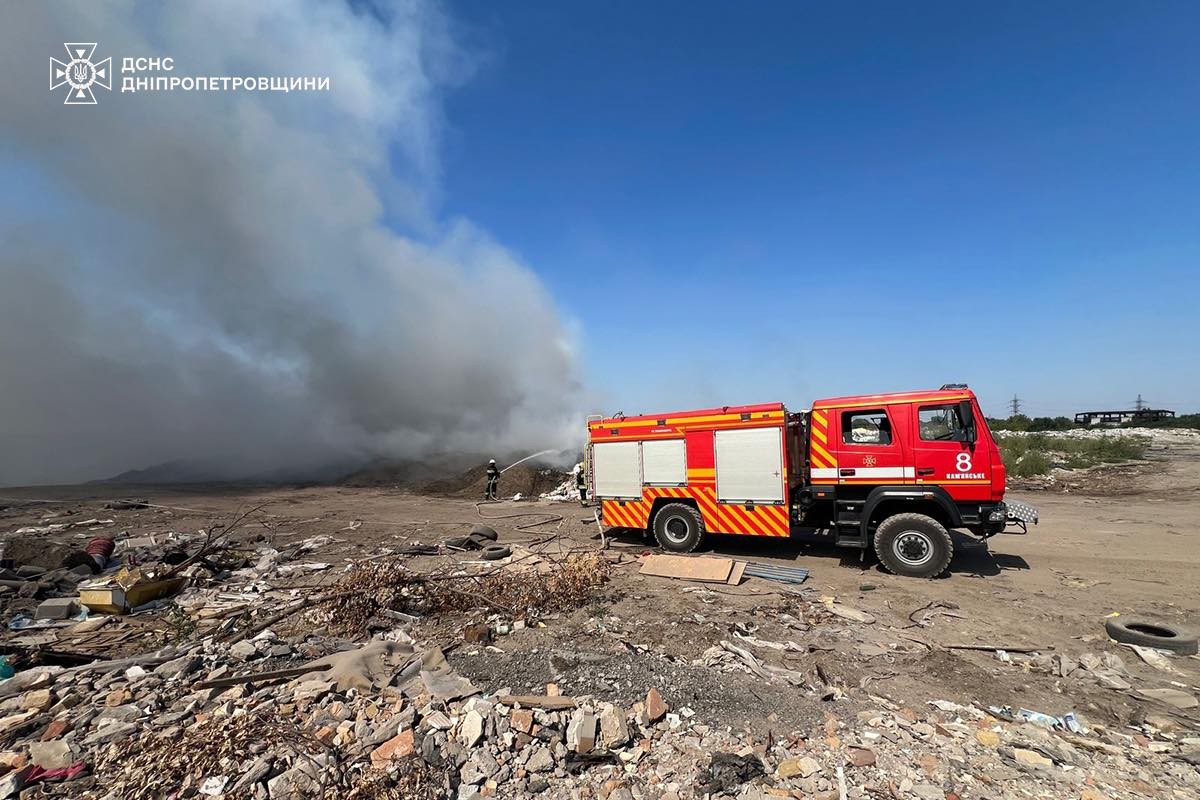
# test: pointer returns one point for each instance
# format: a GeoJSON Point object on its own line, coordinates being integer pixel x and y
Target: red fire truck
{"type": "Point", "coordinates": [892, 472]}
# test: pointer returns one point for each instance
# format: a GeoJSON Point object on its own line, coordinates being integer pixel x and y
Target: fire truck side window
{"type": "Point", "coordinates": [941, 424]}
{"type": "Point", "coordinates": [866, 427]}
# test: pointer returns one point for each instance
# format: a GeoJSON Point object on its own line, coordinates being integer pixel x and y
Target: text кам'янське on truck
{"type": "Point", "coordinates": [893, 472]}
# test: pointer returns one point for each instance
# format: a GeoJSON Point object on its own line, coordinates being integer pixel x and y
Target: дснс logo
{"type": "Point", "coordinates": [80, 73]}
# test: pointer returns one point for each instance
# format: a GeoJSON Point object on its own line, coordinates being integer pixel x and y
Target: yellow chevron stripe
{"type": "Point", "coordinates": [724, 521]}
{"type": "Point", "coordinates": [706, 513]}
{"type": "Point", "coordinates": [829, 460]}
{"type": "Point", "coordinates": [819, 434]}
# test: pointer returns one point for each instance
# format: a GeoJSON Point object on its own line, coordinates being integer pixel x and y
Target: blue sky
{"type": "Point", "coordinates": [790, 201]}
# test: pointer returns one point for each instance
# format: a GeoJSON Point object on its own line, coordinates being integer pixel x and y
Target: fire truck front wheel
{"type": "Point", "coordinates": [678, 528]}
{"type": "Point", "coordinates": [914, 545]}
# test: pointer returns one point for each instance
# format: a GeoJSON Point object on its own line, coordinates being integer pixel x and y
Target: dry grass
{"type": "Point", "coordinates": [412, 779]}
{"type": "Point", "coordinates": [569, 584]}
{"type": "Point", "coordinates": [153, 766]}
{"type": "Point", "coordinates": [374, 587]}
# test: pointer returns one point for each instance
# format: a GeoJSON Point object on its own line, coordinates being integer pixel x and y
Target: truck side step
{"type": "Point", "coordinates": [848, 524]}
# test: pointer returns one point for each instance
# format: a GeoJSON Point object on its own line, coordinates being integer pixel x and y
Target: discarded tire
{"type": "Point", "coordinates": [1150, 633]}
{"type": "Point", "coordinates": [495, 552]}
{"type": "Point", "coordinates": [484, 532]}
{"type": "Point", "coordinates": [480, 537]}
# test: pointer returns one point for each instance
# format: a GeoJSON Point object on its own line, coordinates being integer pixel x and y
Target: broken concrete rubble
{"type": "Point", "coordinates": [382, 694]}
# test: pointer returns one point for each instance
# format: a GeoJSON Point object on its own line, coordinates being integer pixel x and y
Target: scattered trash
{"type": "Point", "coordinates": [126, 590]}
{"type": "Point", "coordinates": [1038, 718]}
{"type": "Point", "coordinates": [727, 771]}
{"type": "Point", "coordinates": [729, 657]}
{"type": "Point", "coordinates": [931, 610]}
{"type": "Point", "coordinates": [846, 612]}
{"type": "Point", "coordinates": [1068, 722]}
{"type": "Point", "coordinates": [776, 572]}
{"type": "Point", "coordinates": [126, 505]}
{"type": "Point", "coordinates": [1172, 697]}
{"type": "Point", "coordinates": [376, 675]}
{"type": "Point", "coordinates": [54, 618]}
{"type": "Point", "coordinates": [1154, 657]}
{"type": "Point", "coordinates": [57, 608]}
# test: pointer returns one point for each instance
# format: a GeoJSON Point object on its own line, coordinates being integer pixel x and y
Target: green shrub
{"type": "Point", "coordinates": [1032, 463]}
{"type": "Point", "coordinates": [1052, 424]}
{"type": "Point", "coordinates": [1182, 421]}
{"type": "Point", "coordinates": [1036, 454]}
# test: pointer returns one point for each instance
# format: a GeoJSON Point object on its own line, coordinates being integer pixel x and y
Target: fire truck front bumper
{"type": "Point", "coordinates": [1016, 515]}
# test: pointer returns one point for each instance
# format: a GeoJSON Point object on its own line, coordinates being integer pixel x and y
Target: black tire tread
{"type": "Point", "coordinates": [678, 508]}
{"type": "Point", "coordinates": [495, 552]}
{"type": "Point", "coordinates": [1119, 631]}
{"type": "Point", "coordinates": [911, 518]}
{"type": "Point", "coordinates": [485, 532]}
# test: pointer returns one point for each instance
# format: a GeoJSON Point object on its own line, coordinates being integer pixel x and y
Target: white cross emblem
{"type": "Point", "coordinates": [80, 73]}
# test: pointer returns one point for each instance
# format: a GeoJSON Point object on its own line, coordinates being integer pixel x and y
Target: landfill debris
{"type": "Point", "coordinates": [728, 771]}
{"type": "Point", "coordinates": [282, 670]}
{"type": "Point", "coordinates": [729, 657]}
{"type": "Point", "coordinates": [56, 608]}
{"type": "Point", "coordinates": [846, 612]}
{"type": "Point", "coordinates": [1159, 659]}
{"type": "Point", "coordinates": [1173, 697]}
{"type": "Point", "coordinates": [776, 572]}
{"type": "Point", "coordinates": [128, 589]}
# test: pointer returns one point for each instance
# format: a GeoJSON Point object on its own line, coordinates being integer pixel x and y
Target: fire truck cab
{"type": "Point", "coordinates": [892, 473]}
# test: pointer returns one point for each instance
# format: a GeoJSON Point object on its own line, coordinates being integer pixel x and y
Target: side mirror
{"type": "Point", "coordinates": [966, 413]}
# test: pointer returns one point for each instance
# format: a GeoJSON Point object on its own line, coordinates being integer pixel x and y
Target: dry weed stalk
{"type": "Point", "coordinates": [388, 585]}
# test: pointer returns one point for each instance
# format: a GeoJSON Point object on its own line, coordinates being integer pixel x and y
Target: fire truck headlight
{"type": "Point", "coordinates": [998, 514]}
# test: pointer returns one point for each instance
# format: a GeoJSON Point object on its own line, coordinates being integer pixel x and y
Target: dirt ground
{"type": "Point", "coordinates": [1132, 552]}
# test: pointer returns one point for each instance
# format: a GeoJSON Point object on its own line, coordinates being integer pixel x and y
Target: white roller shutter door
{"type": "Point", "coordinates": [664, 462]}
{"type": "Point", "coordinates": [749, 465]}
{"type": "Point", "coordinates": [617, 467]}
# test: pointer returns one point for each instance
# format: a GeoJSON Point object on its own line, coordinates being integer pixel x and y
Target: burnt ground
{"type": "Point", "coordinates": [1132, 552]}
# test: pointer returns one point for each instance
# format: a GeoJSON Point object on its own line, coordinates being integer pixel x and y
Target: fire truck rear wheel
{"type": "Point", "coordinates": [914, 545]}
{"type": "Point", "coordinates": [678, 528]}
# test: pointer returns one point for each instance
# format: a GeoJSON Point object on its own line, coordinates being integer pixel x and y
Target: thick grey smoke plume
{"type": "Point", "coordinates": [216, 276]}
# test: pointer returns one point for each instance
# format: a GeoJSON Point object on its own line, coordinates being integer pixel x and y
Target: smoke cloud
{"type": "Point", "coordinates": [254, 279]}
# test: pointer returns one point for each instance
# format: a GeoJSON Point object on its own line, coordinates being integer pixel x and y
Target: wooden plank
{"type": "Point", "coordinates": [688, 568]}
{"type": "Point", "coordinates": [256, 677]}
{"type": "Point", "coordinates": [550, 702]}
{"type": "Point", "coordinates": [735, 577]}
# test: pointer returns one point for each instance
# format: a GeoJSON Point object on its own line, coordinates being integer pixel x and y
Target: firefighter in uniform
{"type": "Point", "coordinates": [493, 481]}
{"type": "Point", "coordinates": [581, 484]}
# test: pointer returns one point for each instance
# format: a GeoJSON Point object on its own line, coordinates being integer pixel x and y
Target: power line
{"type": "Point", "coordinates": [1015, 405]}
{"type": "Point", "coordinates": [1139, 404]}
